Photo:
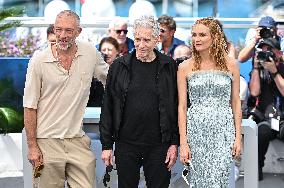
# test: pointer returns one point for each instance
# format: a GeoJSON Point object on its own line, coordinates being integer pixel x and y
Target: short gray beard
{"type": "Point", "coordinates": [65, 48]}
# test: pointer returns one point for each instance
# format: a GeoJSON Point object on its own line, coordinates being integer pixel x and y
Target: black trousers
{"type": "Point", "coordinates": [265, 135]}
{"type": "Point", "coordinates": [129, 159]}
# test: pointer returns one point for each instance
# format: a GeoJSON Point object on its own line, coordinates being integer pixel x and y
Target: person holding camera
{"type": "Point", "coordinates": [267, 85]}
{"type": "Point", "coordinates": [267, 28]}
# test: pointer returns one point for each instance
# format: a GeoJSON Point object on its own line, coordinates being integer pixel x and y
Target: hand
{"type": "Point", "coordinates": [236, 151]}
{"type": "Point", "coordinates": [270, 65]}
{"type": "Point", "coordinates": [257, 36]}
{"type": "Point", "coordinates": [185, 153]}
{"type": "Point", "coordinates": [256, 61]}
{"type": "Point", "coordinates": [171, 156]}
{"type": "Point", "coordinates": [35, 156]}
{"type": "Point", "coordinates": [107, 157]}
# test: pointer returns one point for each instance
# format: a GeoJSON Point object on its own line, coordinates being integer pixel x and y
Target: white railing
{"type": "Point", "coordinates": [182, 22]}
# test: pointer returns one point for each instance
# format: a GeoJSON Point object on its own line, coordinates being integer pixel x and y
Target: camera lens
{"type": "Point", "coordinates": [262, 56]}
{"type": "Point", "coordinates": [265, 33]}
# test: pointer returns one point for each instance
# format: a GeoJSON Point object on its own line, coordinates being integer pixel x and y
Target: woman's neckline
{"type": "Point", "coordinates": [210, 71]}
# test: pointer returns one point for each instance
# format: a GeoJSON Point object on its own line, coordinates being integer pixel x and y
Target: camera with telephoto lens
{"type": "Point", "coordinates": [266, 32]}
{"type": "Point", "coordinates": [263, 56]}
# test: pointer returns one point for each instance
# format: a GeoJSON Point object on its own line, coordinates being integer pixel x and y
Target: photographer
{"type": "Point", "coordinates": [267, 85]}
{"type": "Point", "coordinates": [267, 28]}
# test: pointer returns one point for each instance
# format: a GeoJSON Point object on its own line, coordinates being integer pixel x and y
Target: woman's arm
{"type": "Point", "coordinates": [182, 102]}
{"type": "Point", "coordinates": [182, 109]}
{"type": "Point", "coordinates": [236, 104]}
{"type": "Point", "coordinates": [254, 84]}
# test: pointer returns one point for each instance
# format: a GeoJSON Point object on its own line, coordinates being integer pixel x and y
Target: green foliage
{"type": "Point", "coordinates": [11, 117]}
{"type": "Point", "coordinates": [10, 121]}
{"type": "Point", "coordinates": [10, 12]}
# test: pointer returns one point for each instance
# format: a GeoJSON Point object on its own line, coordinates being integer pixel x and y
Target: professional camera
{"type": "Point", "coordinates": [263, 56]}
{"type": "Point", "coordinates": [266, 32]}
{"type": "Point", "coordinates": [256, 115]}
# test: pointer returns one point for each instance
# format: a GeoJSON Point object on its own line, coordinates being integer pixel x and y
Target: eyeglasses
{"type": "Point", "coordinates": [37, 170]}
{"type": "Point", "coordinates": [186, 171]}
{"type": "Point", "coordinates": [119, 31]}
{"type": "Point", "coordinates": [69, 31]}
{"type": "Point", "coordinates": [107, 175]}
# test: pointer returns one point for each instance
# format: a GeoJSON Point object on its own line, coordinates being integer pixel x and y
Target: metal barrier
{"type": "Point", "coordinates": [250, 153]}
{"type": "Point", "coordinates": [92, 116]}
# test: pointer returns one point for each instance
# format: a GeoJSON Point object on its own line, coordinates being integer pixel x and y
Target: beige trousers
{"type": "Point", "coordinates": [70, 160]}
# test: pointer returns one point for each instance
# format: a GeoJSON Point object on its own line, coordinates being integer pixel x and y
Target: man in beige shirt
{"type": "Point", "coordinates": [55, 96]}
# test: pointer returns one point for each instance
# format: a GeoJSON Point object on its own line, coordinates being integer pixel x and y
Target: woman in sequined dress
{"type": "Point", "coordinates": [210, 129]}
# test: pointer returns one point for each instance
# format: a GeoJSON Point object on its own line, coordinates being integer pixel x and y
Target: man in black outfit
{"type": "Point", "coordinates": [139, 111]}
{"type": "Point", "coordinates": [267, 85]}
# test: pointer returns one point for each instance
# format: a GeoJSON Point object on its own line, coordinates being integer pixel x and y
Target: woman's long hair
{"type": "Point", "coordinates": [218, 49]}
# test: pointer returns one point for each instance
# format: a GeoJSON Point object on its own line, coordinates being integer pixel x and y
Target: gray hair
{"type": "Point", "coordinates": [118, 21]}
{"type": "Point", "coordinates": [69, 13]}
{"type": "Point", "coordinates": [147, 22]}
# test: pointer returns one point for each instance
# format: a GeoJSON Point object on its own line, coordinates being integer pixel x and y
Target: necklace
{"type": "Point", "coordinates": [66, 65]}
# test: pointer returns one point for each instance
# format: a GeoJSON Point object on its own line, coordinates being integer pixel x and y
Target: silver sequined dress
{"type": "Point", "coordinates": [210, 128]}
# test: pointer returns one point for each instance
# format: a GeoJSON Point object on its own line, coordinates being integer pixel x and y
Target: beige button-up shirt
{"type": "Point", "coordinates": [61, 96]}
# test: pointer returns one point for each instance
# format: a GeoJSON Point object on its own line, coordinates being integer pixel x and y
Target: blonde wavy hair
{"type": "Point", "coordinates": [218, 49]}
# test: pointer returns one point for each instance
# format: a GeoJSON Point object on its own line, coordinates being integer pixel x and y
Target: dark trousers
{"type": "Point", "coordinates": [265, 135]}
{"type": "Point", "coordinates": [129, 159]}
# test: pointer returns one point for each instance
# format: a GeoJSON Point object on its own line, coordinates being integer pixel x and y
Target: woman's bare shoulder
{"type": "Point", "coordinates": [186, 66]}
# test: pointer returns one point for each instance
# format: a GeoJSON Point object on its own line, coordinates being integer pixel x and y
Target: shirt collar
{"type": "Point", "coordinates": [49, 58]}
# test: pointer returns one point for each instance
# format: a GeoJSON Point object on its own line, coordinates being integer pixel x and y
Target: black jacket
{"type": "Point", "coordinates": [116, 91]}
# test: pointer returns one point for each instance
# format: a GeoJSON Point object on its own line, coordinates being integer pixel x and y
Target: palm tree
{"type": "Point", "coordinates": [10, 12]}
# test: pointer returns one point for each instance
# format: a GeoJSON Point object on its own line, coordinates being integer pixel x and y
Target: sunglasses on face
{"type": "Point", "coordinates": [119, 31]}
{"type": "Point", "coordinates": [37, 170]}
{"type": "Point", "coordinates": [186, 171]}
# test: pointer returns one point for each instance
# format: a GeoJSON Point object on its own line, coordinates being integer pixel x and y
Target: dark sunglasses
{"type": "Point", "coordinates": [186, 171]}
{"type": "Point", "coordinates": [118, 31]}
{"type": "Point", "coordinates": [107, 175]}
{"type": "Point", "coordinates": [37, 170]}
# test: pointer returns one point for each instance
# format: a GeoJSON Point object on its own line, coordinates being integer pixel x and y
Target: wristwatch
{"type": "Point", "coordinates": [274, 74]}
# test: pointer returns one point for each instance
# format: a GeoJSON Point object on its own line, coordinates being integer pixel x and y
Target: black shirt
{"type": "Point", "coordinates": [270, 95]}
{"type": "Point", "coordinates": [141, 117]}
{"type": "Point", "coordinates": [96, 94]}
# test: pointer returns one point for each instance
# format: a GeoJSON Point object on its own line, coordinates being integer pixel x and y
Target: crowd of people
{"type": "Point", "coordinates": [156, 94]}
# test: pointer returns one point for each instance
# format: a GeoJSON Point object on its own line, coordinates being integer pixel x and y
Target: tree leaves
{"type": "Point", "coordinates": [10, 12]}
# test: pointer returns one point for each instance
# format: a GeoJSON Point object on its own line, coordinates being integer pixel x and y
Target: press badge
{"type": "Point", "coordinates": [275, 124]}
